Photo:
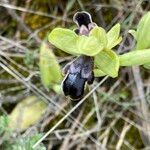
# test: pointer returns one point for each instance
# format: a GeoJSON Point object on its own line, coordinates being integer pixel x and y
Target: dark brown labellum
{"type": "Point", "coordinates": [78, 72]}
{"type": "Point", "coordinates": [73, 86]}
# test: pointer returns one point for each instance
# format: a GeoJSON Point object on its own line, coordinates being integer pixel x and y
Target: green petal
{"type": "Point", "coordinates": [117, 41]}
{"type": "Point", "coordinates": [100, 35]}
{"type": "Point", "coordinates": [113, 36]}
{"type": "Point", "coordinates": [98, 73]}
{"type": "Point", "coordinates": [89, 46]}
{"type": "Point", "coordinates": [108, 62]}
{"type": "Point", "coordinates": [64, 39]}
{"type": "Point", "coordinates": [49, 68]}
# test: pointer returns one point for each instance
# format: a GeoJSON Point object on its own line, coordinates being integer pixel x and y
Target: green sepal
{"type": "Point", "coordinates": [64, 39]}
{"type": "Point", "coordinates": [100, 34]}
{"type": "Point", "coordinates": [108, 62]}
{"type": "Point", "coordinates": [98, 73]}
{"type": "Point", "coordinates": [88, 45]}
{"type": "Point", "coordinates": [113, 36]}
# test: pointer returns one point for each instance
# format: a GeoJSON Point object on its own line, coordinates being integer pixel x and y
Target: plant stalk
{"type": "Point", "coordinates": [138, 57]}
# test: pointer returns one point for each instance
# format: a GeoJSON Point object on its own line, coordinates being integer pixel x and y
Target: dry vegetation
{"type": "Point", "coordinates": [114, 114]}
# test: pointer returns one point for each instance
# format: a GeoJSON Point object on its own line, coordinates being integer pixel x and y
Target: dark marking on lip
{"type": "Point", "coordinates": [73, 86]}
{"type": "Point", "coordinates": [79, 71]}
{"type": "Point", "coordinates": [82, 18]}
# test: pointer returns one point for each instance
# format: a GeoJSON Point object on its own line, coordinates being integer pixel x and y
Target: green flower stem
{"type": "Point", "coordinates": [138, 57]}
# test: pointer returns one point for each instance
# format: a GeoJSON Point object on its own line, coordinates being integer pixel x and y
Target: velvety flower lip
{"type": "Point", "coordinates": [78, 72]}
{"type": "Point", "coordinates": [73, 86]}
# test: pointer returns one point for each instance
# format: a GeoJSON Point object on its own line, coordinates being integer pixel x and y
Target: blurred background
{"type": "Point", "coordinates": [114, 116]}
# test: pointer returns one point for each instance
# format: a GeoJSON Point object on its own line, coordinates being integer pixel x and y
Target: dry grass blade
{"type": "Point", "coordinates": [73, 109]}
{"type": "Point", "coordinates": [126, 128]}
{"type": "Point", "coordinates": [142, 106]}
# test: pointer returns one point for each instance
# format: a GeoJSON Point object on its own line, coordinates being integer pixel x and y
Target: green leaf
{"type": "Point", "coordinates": [108, 62]}
{"type": "Point", "coordinates": [26, 113]}
{"type": "Point", "coordinates": [113, 36]}
{"type": "Point", "coordinates": [64, 39]}
{"type": "Point", "coordinates": [147, 66]}
{"type": "Point", "coordinates": [143, 32]}
{"type": "Point", "coordinates": [137, 57]}
{"type": "Point", "coordinates": [143, 35]}
{"type": "Point", "coordinates": [49, 68]}
{"type": "Point", "coordinates": [100, 34]}
{"type": "Point", "coordinates": [4, 122]}
{"type": "Point", "coordinates": [98, 73]}
{"type": "Point", "coordinates": [26, 143]}
{"type": "Point", "coordinates": [89, 45]}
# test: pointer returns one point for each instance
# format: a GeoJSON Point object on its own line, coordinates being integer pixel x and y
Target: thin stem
{"type": "Point", "coordinates": [137, 57]}
{"type": "Point", "coordinates": [74, 108]}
